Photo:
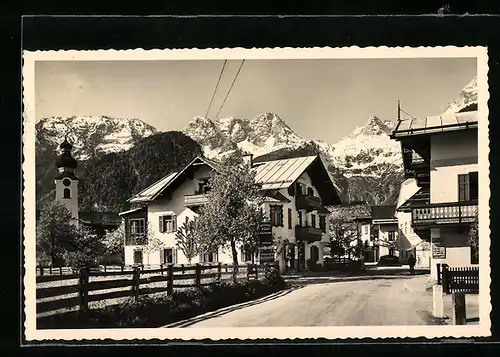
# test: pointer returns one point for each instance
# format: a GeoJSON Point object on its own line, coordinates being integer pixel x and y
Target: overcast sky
{"type": "Point", "coordinates": [318, 99]}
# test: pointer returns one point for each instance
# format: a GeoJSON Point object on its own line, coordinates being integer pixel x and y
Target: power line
{"type": "Point", "coordinates": [229, 91]}
{"type": "Point", "coordinates": [216, 86]}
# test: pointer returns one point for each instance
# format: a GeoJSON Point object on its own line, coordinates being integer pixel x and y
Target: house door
{"type": "Point", "coordinates": [314, 253]}
{"type": "Point", "coordinates": [301, 256]}
{"type": "Point", "coordinates": [138, 257]}
{"type": "Point", "coordinates": [168, 256]}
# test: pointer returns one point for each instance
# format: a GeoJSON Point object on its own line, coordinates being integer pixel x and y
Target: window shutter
{"type": "Point", "coordinates": [174, 223]}
{"type": "Point", "coordinates": [176, 256]}
{"type": "Point", "coordinates": [463, 187]}
{"type": "Point", "coordinates": [162, 256]}
{"type": "Point", "coordinates": [160, 225]}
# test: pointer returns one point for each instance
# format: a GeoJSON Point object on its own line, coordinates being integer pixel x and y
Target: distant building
{"type": "Point", "coordinates": [294, 194]}
{"type": "Point", "coordinates": [66, 192]}
{"type": "Point", "coordinates": [441, 154]}
{"type": "Point", "coordinates": [385, 230]}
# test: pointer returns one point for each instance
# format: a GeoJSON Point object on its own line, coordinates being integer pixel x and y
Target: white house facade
{"type": "Point", "coordinates": [441, 154]}
{"type": "Point", "coordinates": [293, 190]}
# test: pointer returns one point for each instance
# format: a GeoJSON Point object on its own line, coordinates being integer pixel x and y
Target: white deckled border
{"type": "Point", "coordinates": [333, 332]}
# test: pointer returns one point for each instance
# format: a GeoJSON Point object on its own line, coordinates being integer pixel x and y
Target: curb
{"type": "Point", "coordinates": [224, 310]}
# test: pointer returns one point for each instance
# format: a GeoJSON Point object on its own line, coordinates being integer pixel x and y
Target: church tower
{"type": "Point", "coordinates": [66, 182]}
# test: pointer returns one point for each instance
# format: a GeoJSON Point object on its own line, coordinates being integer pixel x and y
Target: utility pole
{"type": "Point", "coordinates": [399, 111]}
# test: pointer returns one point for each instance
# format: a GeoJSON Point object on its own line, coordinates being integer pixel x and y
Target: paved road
{"type": "Point", "coordinates": [333, 301]}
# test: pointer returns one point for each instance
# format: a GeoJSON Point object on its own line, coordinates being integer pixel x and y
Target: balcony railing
{"type": "Point", "coordinates": [310, 234]}
{"type": "Point", "coordinates": [444, 213]}
{"type": "Point", "coordinates": [195, 200]}
{"type": "Point", "coordinates": [309, 203]}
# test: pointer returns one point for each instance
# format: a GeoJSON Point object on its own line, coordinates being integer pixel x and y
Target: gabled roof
{"type": "Point", "coordinates": [272, 175]}
{"type": "Point", "coordinates": [153, 191]}
{"type": "Point", "coordinates": [274, 196]}
{"type": "Point", "coordinates": [99, 218]}
{"type": "Point", "coordinates": [350, 211]}
{"type": "Point", "coordinates": [279, 174]}
{"type": "Point", "coordinates": [435, 124]}
{"type": "Point", "coordinates": [384, 212]}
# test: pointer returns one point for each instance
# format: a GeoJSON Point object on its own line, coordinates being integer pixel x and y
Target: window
{"type": "Point", "coordinates": [365, 230]}
{"type": "Point", "coordinates": [406, 227]}
{"type": "Point", "coordinates": [310, 191]}
{"type": "Point", "coordinates": [203, 187]}
{"type": "Point", "coordinates": [168, 256]}
{"type": "Point", "coordinates": [137, 230]}
{"type": "Point", "coordinates": [468, 187]}
{"type": "Point", "coordinates": [246, 254]}
{"type": "Point", "coordinates": [299, 216]}
{"type": "Point", "coordinates": [392, 236]}
{"type": "Point", "coordinates": [301, 189]}
{"type": "Point", "coordinates": [67, 193]}
{"type": "Point", "coordinates": [137, 256]}
{"type": "Point", "coordinates": [289, 218]}
{"type": "Point", "coordinates": [313, 220]}
{"type": "Point", "coordinates": [276, 215]}
{"type": "Point", "coordinates": [322, 223]}
{"type": "Point", "coordinates": [209, 258]}
{"type": "Point", "coordinates": [167, 223]}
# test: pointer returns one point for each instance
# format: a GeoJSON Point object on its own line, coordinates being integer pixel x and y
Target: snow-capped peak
{"type": "Point", "coordinates": [467, 97]}
{"type": "Point", "coordinates": [90, 135]}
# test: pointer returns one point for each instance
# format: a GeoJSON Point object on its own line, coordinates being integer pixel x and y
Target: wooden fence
{"type": "Point", "coordinates": [75, 291]}
{"type": "Point", "coordinates": [458, 279]}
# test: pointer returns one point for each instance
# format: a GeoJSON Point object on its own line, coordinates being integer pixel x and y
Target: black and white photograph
{"type": "Point", "coordinates": [264, 193]}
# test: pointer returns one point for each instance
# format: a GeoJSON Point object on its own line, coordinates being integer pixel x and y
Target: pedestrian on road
{"type": "Point", "coordinates": [411, 263]}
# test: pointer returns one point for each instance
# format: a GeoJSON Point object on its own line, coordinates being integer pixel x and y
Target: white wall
{"type": "Point", "coordinates": [457, 248]}
{"type": "Point", "coordinates": [451, 155]}
{"type": "Point", "coordinates": [70, 203]}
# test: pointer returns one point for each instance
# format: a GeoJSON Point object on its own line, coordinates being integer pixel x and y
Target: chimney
{"type": "Point", "coordinates": [248, 159]}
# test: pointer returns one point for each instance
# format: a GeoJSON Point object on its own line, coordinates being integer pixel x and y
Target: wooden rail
{"type": "Point", "coordinates": [458, 279]}
{"type": "Point", "coordinates": [133, 283]}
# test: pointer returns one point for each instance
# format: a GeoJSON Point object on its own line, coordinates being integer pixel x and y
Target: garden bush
{"type": "Point", "coordinates": [160, 310]}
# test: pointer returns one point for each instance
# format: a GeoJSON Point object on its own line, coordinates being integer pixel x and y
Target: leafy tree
{"type": "Point", "coordinates": [113, 242]}
{"type": "Point", "coordinates": [343, 233]}
{"type": "Point", "coordinates": [474, 236]}
{"type": "Point", "coordinates": [232, 214]}
{"type": "Point", "coordinates": [186, 240]}
{"type": "Point", "coordinates": [83, 249]}
{"type": "Point", "coordinates": [55, 231]}
{"type": "Point", "coordinates": [153, 243]}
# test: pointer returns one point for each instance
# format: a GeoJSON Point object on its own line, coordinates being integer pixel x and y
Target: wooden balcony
{"type": "Point", "coordinates": [195, 200]}
{"type": "Point", "coordinates": [309, 203]}
{"type": "Point", "coordinates": [309, 234]}
{"type": "Point", "coordinates": [438, 214]}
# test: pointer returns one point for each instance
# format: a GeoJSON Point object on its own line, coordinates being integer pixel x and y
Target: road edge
{"type": "Point", "coordinates": [227, 309]}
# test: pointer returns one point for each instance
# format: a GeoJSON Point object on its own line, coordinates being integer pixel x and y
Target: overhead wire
{"type": "Point", "coordinates": [230, 88]}
{"type": "Point", "coordinates": [216, 87]}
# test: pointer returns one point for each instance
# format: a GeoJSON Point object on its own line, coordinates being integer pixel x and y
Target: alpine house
{"type": "Point", "coordinates": [295, 192]}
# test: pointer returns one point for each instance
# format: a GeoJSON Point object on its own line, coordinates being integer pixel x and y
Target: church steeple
{"type": "Point", "coordinates": [66, 182]}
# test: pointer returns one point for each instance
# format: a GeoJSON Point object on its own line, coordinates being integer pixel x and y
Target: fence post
{"type": "Point", "coordinates": [161, 268]}
{"type": "Point", "coordinates": [249, 267]}
{"type": "Point", "coordinates": [277, 267]}
{"type": "Point", "coordinates": [445, 279]}
{"type": "Point", "coordinates": [60, 270]}
{"type": "Point", "coordinates": [459, 313]}
{"type": "Point", "coordinates": [83, 291]}
{"type": "Point", "coordinates": [437, 301]}
{"type": "Point", "coordinates": [170, 281]}
{"type": "Point", "coordinates": [256, 271]}
{"type": "Point", "coordinates": [136, 278]}
{"type": "Point", "coordinates": [197, 279]}
{"type": "Point", "coordinates": [438, 273]}
{"type": "Point", "coordinates": [219, 271]}
{"type": "Point", "coordinates": [122, 267]}
{"type": "Point", "coordinates": [41, 270]}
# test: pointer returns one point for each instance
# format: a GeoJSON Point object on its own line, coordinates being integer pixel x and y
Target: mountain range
{"type": "Point", "coordinates": [365, 166]}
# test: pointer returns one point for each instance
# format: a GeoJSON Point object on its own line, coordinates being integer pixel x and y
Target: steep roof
{"type": "Point", "coordinates": [350, 211]}
{"type": "Point", "coordinates": [435, 124]}
{"type": "Point", "coordinates": [272, 175]}
{"type": "Point", "coordinates": [279, 174]}
{"type": "Point", "coordinates": [383, 212]}
{"type": "Point", "coordinates": [153, 191]}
